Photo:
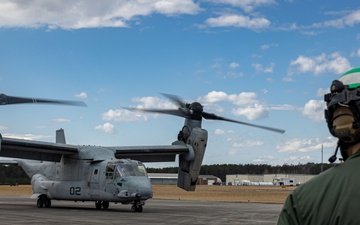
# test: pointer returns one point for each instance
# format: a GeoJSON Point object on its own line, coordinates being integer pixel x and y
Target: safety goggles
{"type": "Point", "coordinates": [341, 94]}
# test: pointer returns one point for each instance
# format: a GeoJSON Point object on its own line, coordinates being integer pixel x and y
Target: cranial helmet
{"type": "Point", "coordinates": [343, 109]}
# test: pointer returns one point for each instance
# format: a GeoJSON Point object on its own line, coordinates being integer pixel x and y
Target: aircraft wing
{"type": "Point", "coordinates": [8, 162]}
{"type": "Point", "coordinates": [35, 150]}
{"type": "Point", "coordinates": [161, 153]}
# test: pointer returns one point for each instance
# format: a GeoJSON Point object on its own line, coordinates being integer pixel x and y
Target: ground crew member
{"type": "Point", "coordinates": [333, 197]}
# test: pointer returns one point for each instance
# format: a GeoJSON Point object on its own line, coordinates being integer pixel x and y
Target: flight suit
{"type": "Point", "coordinates": [332, 197]}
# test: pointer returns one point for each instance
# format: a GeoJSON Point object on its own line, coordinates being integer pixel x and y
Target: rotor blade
{"type": "Point", "coordinates": [176, 112]}
{"type": "Point", "coordinates": [211, 116]}
{"type": "Point", "coordinates": [177, 100]}
{"type": "Point", "coordinates": [7, 100]}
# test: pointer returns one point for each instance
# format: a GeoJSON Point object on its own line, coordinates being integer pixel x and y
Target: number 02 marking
{"type": "Point", "coordinates": [75, 190]}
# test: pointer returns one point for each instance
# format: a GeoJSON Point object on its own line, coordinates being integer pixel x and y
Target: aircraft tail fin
{"type": "Point", "coordinates": [60, 136]}
{"type": "Point", "coordinates": [190, 164]}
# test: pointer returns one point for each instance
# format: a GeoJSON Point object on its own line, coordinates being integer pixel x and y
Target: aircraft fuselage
{"type": "Point", "coordinates": [103, 181]}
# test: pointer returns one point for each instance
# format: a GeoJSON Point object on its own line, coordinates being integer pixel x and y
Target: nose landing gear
{"type": "Point", "coordinates": [137, 207]}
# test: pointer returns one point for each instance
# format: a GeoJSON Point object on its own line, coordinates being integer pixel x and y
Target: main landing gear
{"type": "Point", "coordinates": [102, 204]}
{"type": "Point", "coordinates": [43, 201]}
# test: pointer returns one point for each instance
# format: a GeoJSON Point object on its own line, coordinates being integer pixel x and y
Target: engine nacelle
{"type": "Point", "coordinates": [189, 169]}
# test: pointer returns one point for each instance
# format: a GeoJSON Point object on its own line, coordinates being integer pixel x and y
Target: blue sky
{"type": "Point", "coordinates": [266, 62]}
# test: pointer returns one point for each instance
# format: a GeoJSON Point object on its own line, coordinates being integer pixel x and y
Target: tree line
{"type": "Point", "coordinates": [15, 174]}
{"type": "Point", "coordinates": [221, 170]}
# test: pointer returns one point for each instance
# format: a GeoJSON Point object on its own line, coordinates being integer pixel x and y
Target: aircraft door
{"type": "Point", "coordinates": [94, 181]}
{"type": "Point", "coordinates": [58, 172]}
{"type": "Point", "coordinates": [110, 176]}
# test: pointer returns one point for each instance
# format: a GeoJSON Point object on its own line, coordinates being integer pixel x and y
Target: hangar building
{"type": "Point", "coordinates": [267, 179]}
{"type": "Point", "coordinates": [171, 178]}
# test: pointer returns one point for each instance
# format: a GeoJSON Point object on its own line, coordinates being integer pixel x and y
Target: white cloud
{"type": "Point", "coordinates": [76, 14]}
{"type": "Point", "coordinates": [297, 159]}
{"type": "Point", "coordinates": [214, 96]}
{"type": "Point", "coordinates": [244, 98]}
{"type": "Point", "coordinates": [253, 112]}
{"type": "Point", "coordinates": [233, 74]}
{"type": "Point", "coordinates": [246, 104]}
{"type": "Point", "coordinates": [245, 143]}
{"type": "Point", "coordinates": [314, 109]}
{"type": "Point", "coordinates": [106, 127]}
{"type": "Point", "coordinates": [61, 120]}
{"type": "Point", "coordinates": [268, 46]}
{"type": "Point", "coordinates": [219, 132]}
{"type": "Point", "coordinates": [153, 103]}
{"type": "Point", "coordinates": [233, 20]}
{"type": "Point", "coordinates": [352, 18]}
{"type": "Point", "coordinates": [233, 152]}
{"type": "Point", "coordinates": [306, 145]}
{"type": "Point", "coordinates": [216, 65]}
{"type": "Point", "coordinates": [122, 115]}
{"type": "Point", "coordinates": [248, 5]}
{"type": "Point", "coordinates": [262, 69]}
{"type": "Point", "coordinates": [265, 159]}
{"type": "Point", "coordinates": [333, 63]}
{"type": "Point", "coordinates": [284, 107]}
{"type": "Point", "coordinates": [82, 95]}
{"type": "Point", "coordinates": [234, 65]}
{"type": "Point", "coordinates": [3, 127]}
{"type": "Point", "coordinates": [26, 136]}
{"type": "Point", "coordinates": [288, 79]}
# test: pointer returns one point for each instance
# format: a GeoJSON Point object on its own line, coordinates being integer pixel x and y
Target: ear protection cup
{"type": "Point", "coordinates": [344, 125]}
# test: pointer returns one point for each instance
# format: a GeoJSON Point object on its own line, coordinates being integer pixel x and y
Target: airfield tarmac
{"type": "Point", "coordinates": [20, 209]}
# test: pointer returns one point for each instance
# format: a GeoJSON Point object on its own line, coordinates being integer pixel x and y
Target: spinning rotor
{"type": "Point", "coordinates": [195, 111]}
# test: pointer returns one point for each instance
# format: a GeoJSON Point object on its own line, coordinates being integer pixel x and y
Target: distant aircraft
{"type": "Point", "coordinates": [115, 173]}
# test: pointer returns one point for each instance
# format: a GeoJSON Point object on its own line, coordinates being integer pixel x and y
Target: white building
{"type": "Point", "coordinates": [265, 179]}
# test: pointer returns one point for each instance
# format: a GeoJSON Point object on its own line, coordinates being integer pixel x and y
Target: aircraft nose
{"type": "Point", "coordinates": [142, 188]}
{"type": "Point", "coordinates": [135, 187]}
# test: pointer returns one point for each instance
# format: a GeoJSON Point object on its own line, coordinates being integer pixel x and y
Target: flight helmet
{"type": "Point", "coordinates": [342, 113]}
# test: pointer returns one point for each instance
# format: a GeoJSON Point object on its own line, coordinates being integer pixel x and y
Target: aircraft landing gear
{"type": "Point", "coordinates": [136, 207]}
{"type": "Point", "coordinates": [42, 201]}
{"type": "Point", "coordinates": [103, 204]}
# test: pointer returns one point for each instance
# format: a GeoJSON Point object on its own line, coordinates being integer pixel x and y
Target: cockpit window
{"type": "Point", "coordinates": [141, 169]}
{"type": "Point", "coordinates": [129, 168]}
{"type": "Point", "coordinates": [110, 170]}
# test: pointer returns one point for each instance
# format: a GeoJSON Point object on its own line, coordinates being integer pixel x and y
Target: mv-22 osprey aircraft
{"type": "Point", "coordinates": [61, 171]}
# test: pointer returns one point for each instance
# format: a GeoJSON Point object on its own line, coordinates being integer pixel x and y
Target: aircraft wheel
{"type": "Point", "coordinates": [136, 208]}
{"type": "Point", "coordinates": [47, 203]}
{"type": "Point", "coordinates": [105, 205]}
{"type": "Point", "coordinates": [140, 208]}
{"type": "Point", "coordinates": [40, 203]}
{"type": "Point", "coordinates": [98, 204]}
